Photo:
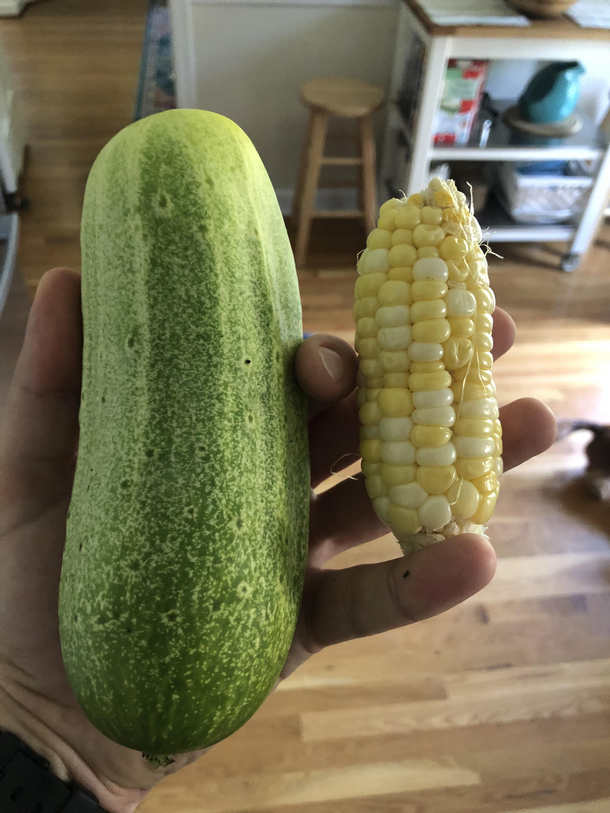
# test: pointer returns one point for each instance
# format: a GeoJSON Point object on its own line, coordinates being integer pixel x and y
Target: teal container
{"type": "Point", "coordinates": [552, 93]}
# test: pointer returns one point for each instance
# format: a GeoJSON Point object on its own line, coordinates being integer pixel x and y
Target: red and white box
{"type": "Point", "coordinates": [462, 91]}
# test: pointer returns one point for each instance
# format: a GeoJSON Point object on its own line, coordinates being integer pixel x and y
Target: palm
{"type": "Point", "coordinates": [37, 455]}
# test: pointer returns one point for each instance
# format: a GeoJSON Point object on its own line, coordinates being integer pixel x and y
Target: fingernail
{"type": "Point", "coordinates": [333, 363]}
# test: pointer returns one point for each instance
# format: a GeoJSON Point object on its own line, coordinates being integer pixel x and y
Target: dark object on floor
{"type": "Point", "coordinates": [597, 475]}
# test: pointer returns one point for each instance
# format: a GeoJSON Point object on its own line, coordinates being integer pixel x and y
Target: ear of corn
{"type": "Point", "coordinates": [430, 436]}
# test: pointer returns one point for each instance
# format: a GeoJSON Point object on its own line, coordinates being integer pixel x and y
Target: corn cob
{"type": "Point", "coordinates": [430, 437]}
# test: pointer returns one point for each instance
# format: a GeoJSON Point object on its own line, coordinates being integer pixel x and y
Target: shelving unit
{"type": "Point", "coordinates": [408, 151]}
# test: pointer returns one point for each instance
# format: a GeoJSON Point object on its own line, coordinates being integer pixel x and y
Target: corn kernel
{"type": "Point", "coordinates": [458, 272]}
{"type": "Point", "coordinates": [371, 450]}
{"type": "Point", "coordinates": [461, 326]}
{"type": "Point", "coordinates": [379, 238]}
{"type": "Point", "coordinates": [461, 302]}
{"type": "Point", "coordinates": [360, 379]}
{"type": "Point", "coordinates": [403, 520]}
{"type": "Point", "coordinates": [367, 348]}
{"type": "Point", "coordinates": [484, 322]}
{"type": "Point", "coordinates": [443, 198]}
{"type": "Point", "coordinates": [436, 479]}
{"type": "Point", "coordinates": [463, 391]}
{"type": "Point", "coordinates": [473, 446]}
{"type": "Point", "coordinates": [483, 360]}
{"type": "Point", "coordinates": [408, 217]}
{"type": "Point", "coordinates": [485, 509]}
{"type": "Point", "coordinates": [472, 467]}
{"type": "Point", "coordinates": [483, 341]}
{"type": "Point", "coordinates": [457, 352]}
{"type": "Point", "coordinates": [395, 402]}
{"type": "Point", "coordinates": [430, 268]}
{"type": "Point", "coordinates": [404, 274]}
{"type": "Point", "coordinates": [366, 327]}
{"type": "Point", "coordinates": [424, 235]}
{"type": "Point", "coordinates": [499, 444]}
{"type": "Point", "coordinates": [369, 468]}
{"type": "Point", "coordinates": [393, 292]}
{"type": "Point", "coordinates": [434, 416]}
{"type": "Point", "coordinates": [425, 289]}
{"type": "Point", "coordinates": [377, 261]}
{"type": "Point", "coordinates": [431, 330]}
{"type": "Point", "coordinates": [374, 383]}
{"type": "Point", "coordinates": [428, 309]}
{"type": "Point", "coordinates": [398, 452]}
{"type": "Point", "coordinates": [452, 215]}
{"type": "Point", "coordinates": [435, 513]}
{"type": "Point", "coordinates": [397, 380]}
{"type": "Point", "coordinates": [369, 284]}
{"type": "Point", "coordinates": [402, 254]}
{"type": "Point", "coordinates": [361, 260]}
{"type": "Point", "coordinates": [402, 237]}
{"type": "Point", "coordinates": [416, 200]}
{"type": "Point", "coordinates": [369, 432]}
{"type": "Point", "coordinates": [394, 361]}
{"type": "Point", "coordinates": [425, 351]}
{"type": "Point", "coordinates": [429, 381]}
{"type": "Point", "coordinates": [387, 221]}
{"type": "Point", "coordinates": [443, 455]}
{"type": "Point", "coordinates": [426, 366]}
{"type": "Point", "coordinates": [498, 465]}
{"type": "Point", "coordinates": [426, 252]}
{"type": "Point", "coordinates": [372, 394]}
{"type": "Point", "coordinates": [394, 338]}
{"type": "Point", "coordinates": [463, 498]}
{"type": "Point", "coordinates": [397, 475]}
{"type": "Point", "coordinates": [365, 307]}
{"type": "Point", "coordinates": [453, 229]}
{"type": "Point", "coordinates": [389, 206]}
{"type": "Point", "coordinates": [409, 495]}
{"type": "Point", "coordinates": [480, 408]}
{"type": "Point", "coordinates": [432, 398]}
{"type": "Point", "coordinates": [370, 413]}
{"type": "Point", "coordinates": [431, 215]}
{"type": "Point", "coordinates": [497, 427]}
{"type": "Point", "coordinates": [381, 506]}
{"type": "Point", "coordinates": [474, 427]}
{"type": "Point", "coordinates": [375, 487]}
{"type": "Point", "coordinates": [429, 436]}
{"type": "Point", "coordinates": [487, 483]}
{"type": "Point", "coordinates": [360, 396]}
{"type": "Point", "coordinates": [392, 316]}
{"type": "Point", "coordinates": [486, 301]}
{"type": "Point", "coordinates": [395, 428]}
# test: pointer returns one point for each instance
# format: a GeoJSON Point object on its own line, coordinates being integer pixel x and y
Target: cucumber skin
{"type": "Point", "coordinates": [187, 530]}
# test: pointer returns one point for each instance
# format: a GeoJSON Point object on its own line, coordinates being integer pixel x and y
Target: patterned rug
{"type": "Point", "coordinates": [156, 85]}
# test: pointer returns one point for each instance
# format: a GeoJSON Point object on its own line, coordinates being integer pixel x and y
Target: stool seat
{"type": "Point", "coordinates": [345, 98]}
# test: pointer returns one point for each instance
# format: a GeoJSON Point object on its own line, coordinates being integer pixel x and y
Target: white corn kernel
{"type": "Point", "coordinates": [434, 416]}
{"type": "Point", "coordinates": [460, 302]}
{"type": "Point", "coordinates": [436, 456]}
{"type": "Point", "coordinates": [410, 495]}
{"type": "Point", "coordinates": [433, 398]}
{"type": "Point", "coordinates": [430, 268]}
{"type": "Point", "coordinates": [379, 238]}
{"type": "Point", "coordinates": [381, 506]}
{"type": "Point", "coordinates": [361, 261]}
{"type": "Point", "coordinates": [435, 513]}
{"type": "Point", "coordinates": [392, 315]}
{"type": "Point", "coordinates": [395, 428]}
{"type": "Point", "coordinates": [377, 260]}
{"type": "Point", "coordinates": [498, 466]}
{"type": "Point", "coordinates": [425, 351]}
{"type": "Point", "coordinates": [480, 408]}
{"type": "Point", "coordinates": [394, 338]}
{"type": "Point", "coordinates": [471, 447]}
{"type": "Point", "coordinates": [399, 453]}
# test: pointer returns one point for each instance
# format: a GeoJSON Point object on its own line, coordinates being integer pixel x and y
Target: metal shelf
{"type": "Point", "coordinates": [498, 225]}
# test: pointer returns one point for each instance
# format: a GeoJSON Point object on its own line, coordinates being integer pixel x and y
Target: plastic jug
{"type": "Point", "coordinates": [552, 93]}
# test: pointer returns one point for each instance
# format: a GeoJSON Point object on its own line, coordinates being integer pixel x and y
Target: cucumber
{"type": "Point", "coordinates": [187, 530]}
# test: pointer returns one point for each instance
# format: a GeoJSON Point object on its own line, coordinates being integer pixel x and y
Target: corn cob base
{"type": "Point", "coordinates": [430, 437]}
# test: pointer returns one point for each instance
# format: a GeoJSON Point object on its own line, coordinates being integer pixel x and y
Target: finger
{"type": "Point", "coordinates": [341, 518]}
{"type": "Point", "coordinates": [326, 369]}
{"type": "Point", "coordinates": [367, 599]}
{"type": "Point", "coordinates": [334, 439]}
{"type": "Point", "coordinates": [503, 332]}
{"type": "Point", "coordinates": [41, 416]}
{"type": "Point", "coordinates": [528, 428]}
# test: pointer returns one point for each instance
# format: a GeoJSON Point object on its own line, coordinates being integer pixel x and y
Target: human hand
{"type": "Point", "coordinates": [38, 443]}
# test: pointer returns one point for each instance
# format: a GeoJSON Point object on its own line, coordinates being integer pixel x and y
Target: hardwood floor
{"type": "Point", "coordinates": [500, 705]}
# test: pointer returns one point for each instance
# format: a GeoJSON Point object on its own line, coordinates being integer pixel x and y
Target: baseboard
{"type": "Point", "coordinates": [326, 199]}
{"type": "Point", "coordinates": [12, 8]}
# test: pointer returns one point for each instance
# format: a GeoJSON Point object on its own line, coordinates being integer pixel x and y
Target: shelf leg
{"type": "Point", "coordinates": [594, 210]}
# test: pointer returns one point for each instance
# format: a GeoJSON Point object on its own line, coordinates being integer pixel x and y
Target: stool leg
{"type": "Point", "coordinates": [298, 190]}
{"type": "Point", "coordinates": [315, 151]}
{"type": "Point", "coordinates": [369, 172]}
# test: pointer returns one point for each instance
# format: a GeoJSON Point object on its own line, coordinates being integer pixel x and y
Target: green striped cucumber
{"type": "Point", "coordinates": [187, 530]}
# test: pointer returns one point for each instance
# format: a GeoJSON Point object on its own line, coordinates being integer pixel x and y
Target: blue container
{"type": "Point", "coordinates": [552, 93]}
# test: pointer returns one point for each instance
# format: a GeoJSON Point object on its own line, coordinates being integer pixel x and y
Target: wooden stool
{"type": "Point", "coordinates": [344, 98]}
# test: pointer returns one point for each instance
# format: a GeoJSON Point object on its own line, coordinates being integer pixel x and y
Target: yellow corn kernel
{"type": "Point", "coordinates": [466, 391]}
{"type": "Point", "coordinates": [368, 348]}
{"type": "Point", "coordinates": [397, 475]}
{"type": "Point", "coordinates": [408, 217]}
{"type": "Point", "coordinates": [431, 215]}
{"type": "Point", "coordinates": [483, 360]}
{"type": "Point", "coordinates": [487, 483]}
{"type": "Point", "coordinates": [462, 327]}
{"type": "Point", "coordinates": [434, 331]}
{"type": "Point", "coordinates": [403, 273]}
{"type": "Point", "coordinates": [498, 427]}
{"type": "Point", "coordinates": [427, 251]}
{"type": "Point", "coordinates": [372, 394]}
{"type": "Point", "coordinates": [402, 237]}
{"type": "Point", "coordinates": [367, 327]}
{"type": "Point", "coordinates": [486, 301]}
{"type": "Point", "coordinates": [425, 289]}
{"type": "Point", "coordinates": [463, 498]}
{"type": "Point", "coordinates": [458, 272]}
{"type": "Point", "coordinates": [498, 466]}
{"type": "Point", "coordinates": [387, 220]}
{"type": "Point", "coordinates": [379, 238]}
{"type": "Point", "coordinates": [453, 229]}
{"type": "Point", "coordinates": [452, 214]}
{"type": "Point", "coordinates": [370, 413]}
{"type": "Point", "coordinates": [394, 361]}
{"type": "Point", "coordinates": [428, 309]}
{"type": "Point", "coordinates": [375, 487]}
{"type": "Point", "coordinates": [425, 235]}
{"type": "Point", "coordinates": [394, 292]}
{"type": "Point", "coordinates": [402, 255]}
{"type": "Point", "coordinates": [472, 467]}
{"type": "Point", "coordinates": [457, 352]}
{"type": "Point", "coordinates": [429, 436]}
{"type": "Point", "coordinates": [473, 427]}
{"type": "Point", "coordinates": [389, 206]}
{"type": "Point", "coordinates": [485, 509]}
{"type": "Point", "coordinates": [416, 200]}
{"type": "Point", "coordinates": [443, 198]}
{"type": "Point", "coordinates": [365, 307]}
{"type": "Point", "coordinates": [371, 449]}
{"type": "Point", "coordinates": [483, 341]}
{"type": "Point", "coordinates": [371, 368]}
{"type": "Point", "coordinates": [395, 403]}
{"type": "Point", "coordinates": [453, 248]}
{"type": "Point", "coordinates": [426, 366]}
{"type": "Point", "coordinates": [436, 479]}
{"type": "Point", "coordinates": [422, 382]}
{"type": "Point", "coordinates": [374, 383]}
{"type": "Point", "coordinates": [369, 284]}
{"type": "Point", "coordinates": [484, 322]}
{"type": "Point", "coordinates": [499, 444]}
{"type": "Point", "coordinates": [369, 468]}
{"type": "Point", "coordinates": [393, 380]}
{"type": "Point", "coordinates": [403, 520]}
